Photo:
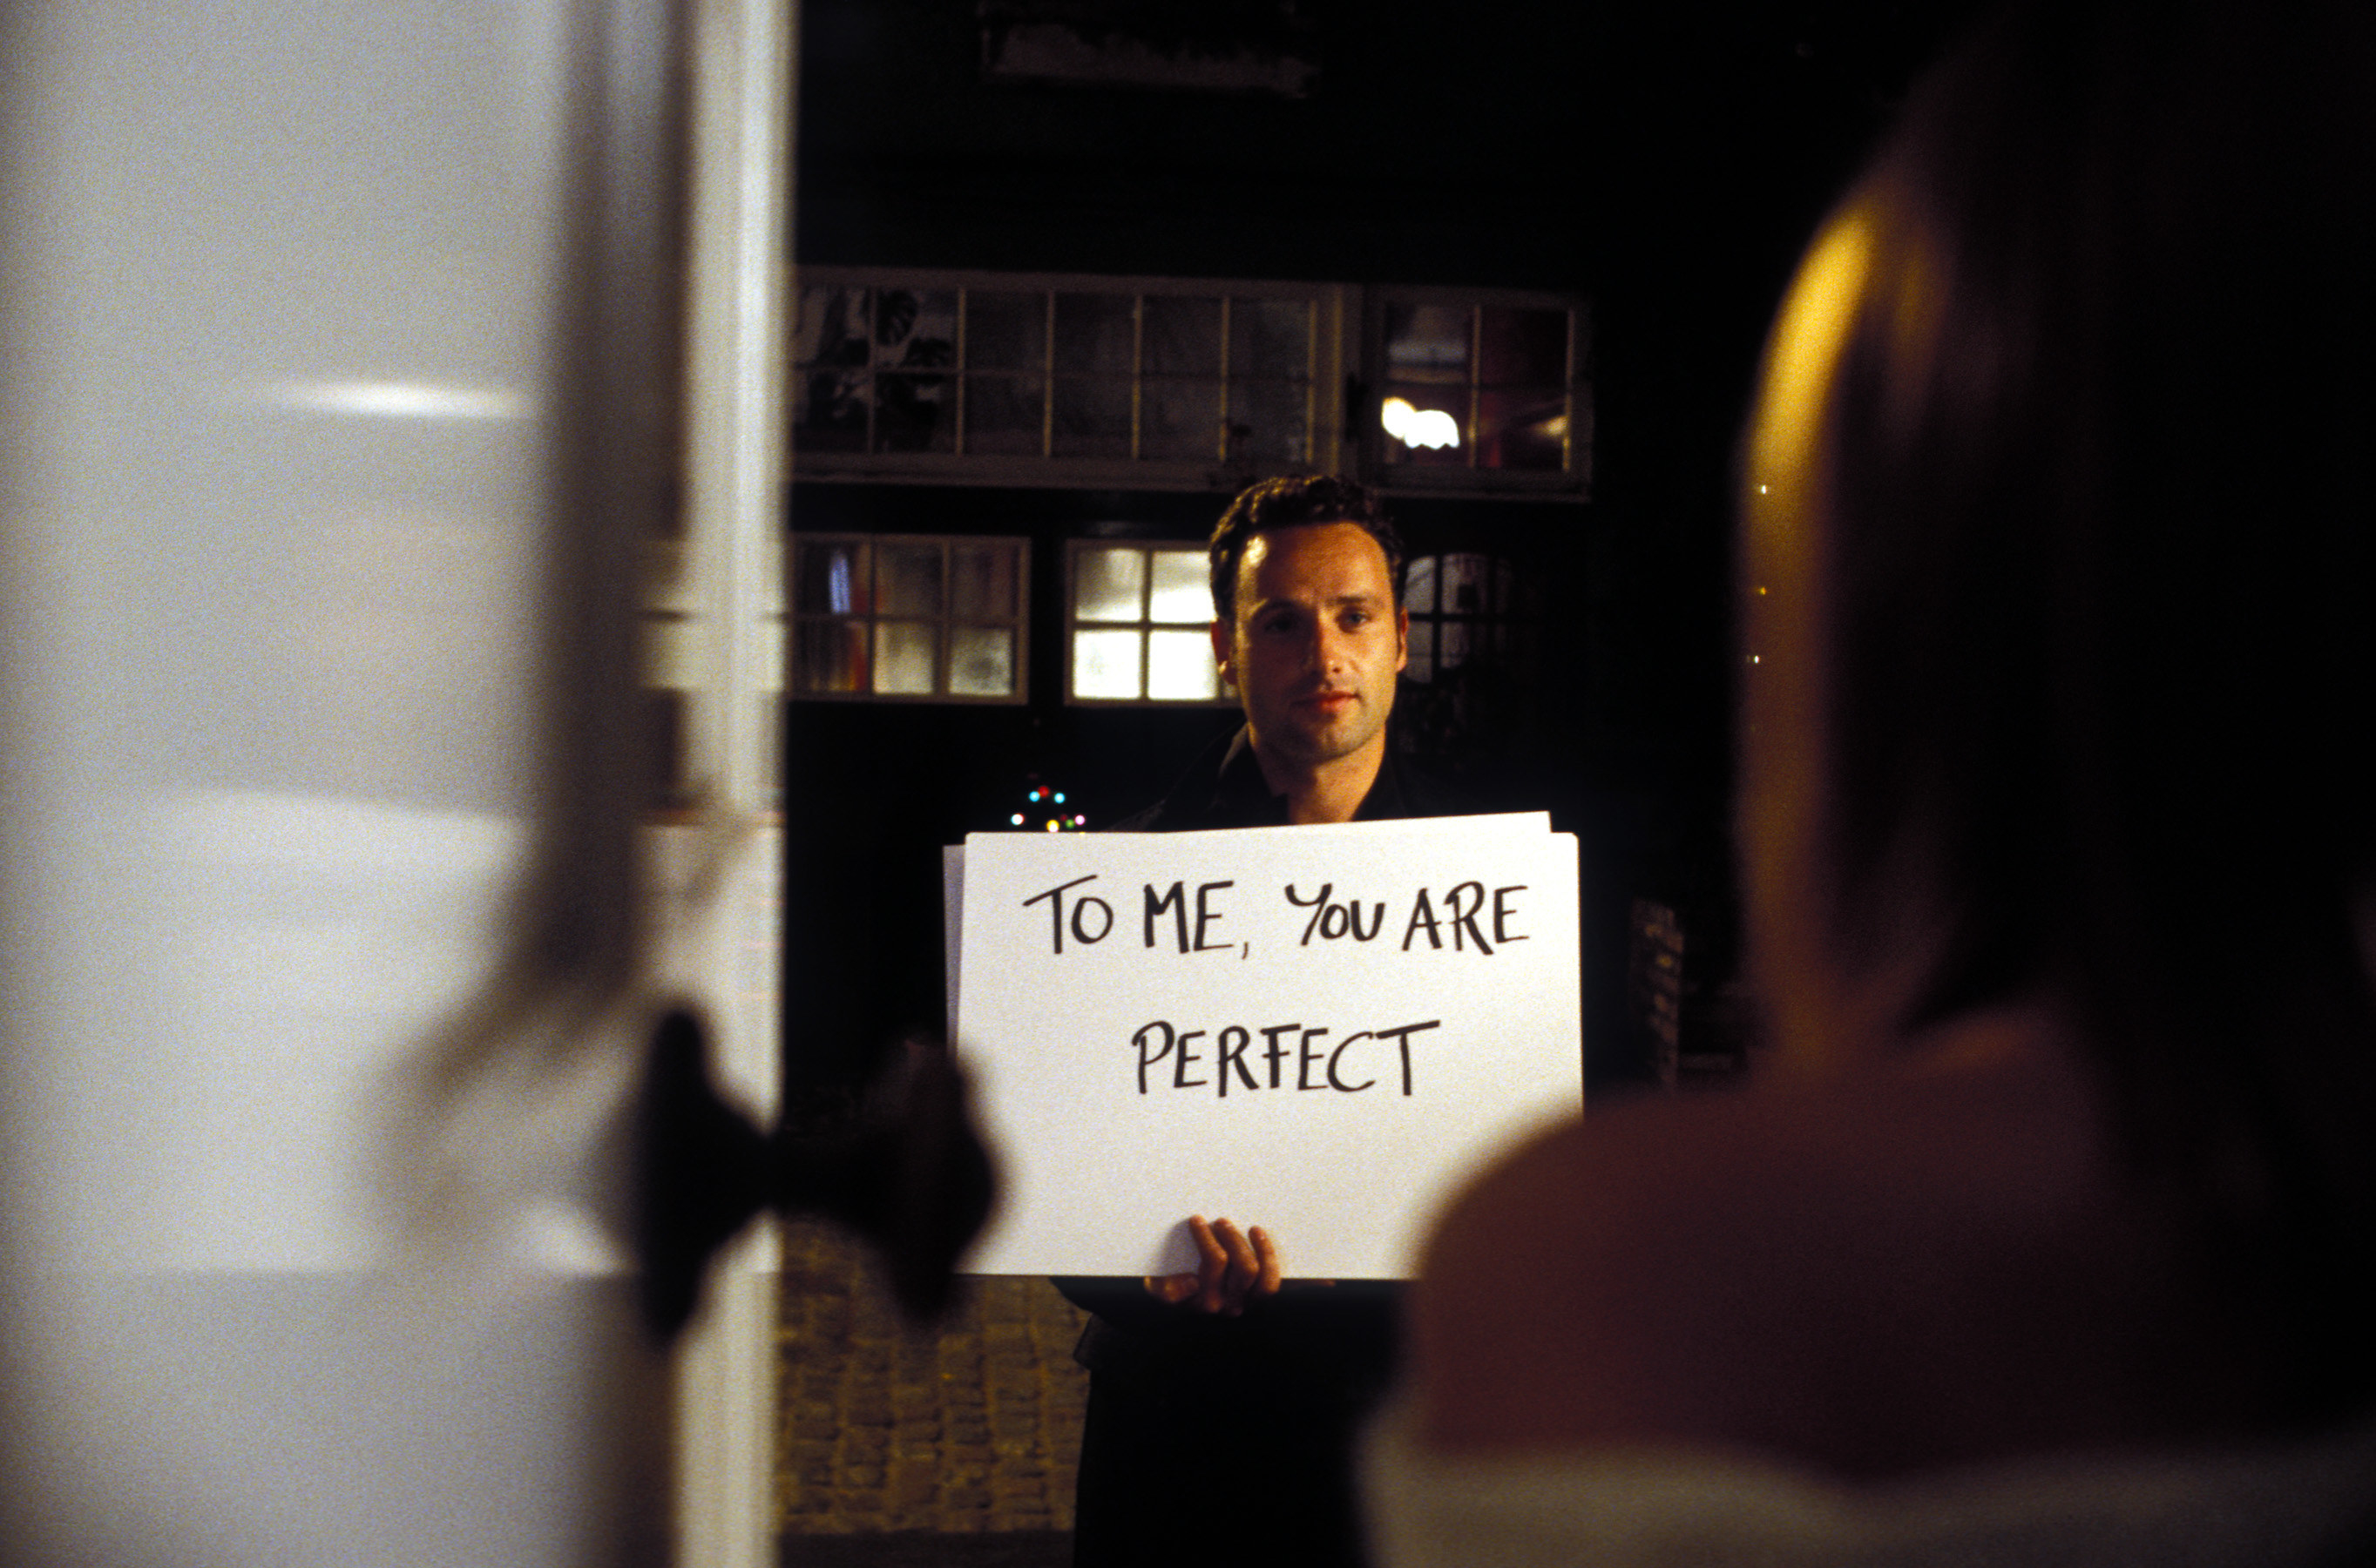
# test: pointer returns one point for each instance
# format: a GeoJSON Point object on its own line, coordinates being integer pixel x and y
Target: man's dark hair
{"type": "Point", "coordinates": [1292, 503]}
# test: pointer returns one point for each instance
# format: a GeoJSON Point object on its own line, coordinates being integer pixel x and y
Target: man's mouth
{"type": "Point", "coordinates": [1327, 702]}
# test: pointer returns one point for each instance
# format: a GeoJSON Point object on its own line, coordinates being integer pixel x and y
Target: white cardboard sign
{"type": "Point", "coordinates": [1317, 1030]}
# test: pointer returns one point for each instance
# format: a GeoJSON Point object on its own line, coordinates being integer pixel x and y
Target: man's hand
{"type": "Point", "coordinates": [1232, 1268]}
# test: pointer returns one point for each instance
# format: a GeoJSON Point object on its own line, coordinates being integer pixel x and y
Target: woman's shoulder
{"type": "Point", "coordinates": [1866, 1273]}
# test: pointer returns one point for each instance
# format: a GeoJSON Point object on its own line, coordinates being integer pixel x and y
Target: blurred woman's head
{"type": "Point", "coordinates": [2060, 590]}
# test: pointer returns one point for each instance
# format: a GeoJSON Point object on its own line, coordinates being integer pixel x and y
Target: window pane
{"type": "Point", "coordinates": [1422, 651]}
{"type": "Point", "coordinates": [1522, 429]}
{"type": "Point", "coordinates": [1003, 414]}
{"type": "Point", "coordinates": [981, 662]}
{"type": "Point", "coordinates": [915, 413]}
{"type": "Point", "coordinates": [1108, 583]}
{"type": "Point", "coordinates": [832, 325]}
{"type": "Point", "coordinates": [1424, 425]}
{"type": "Point", "coordinates": [832, 657]}
{"type": "Point", "coordinates": [1105, 664]}
{"type": "Point", "coordinates": [1267, 423]}
{"type": "Point", "coordinates": [1006, 331]}
{"type": "Point", "coordinates": [916, 329]}
{"type": "Point", "coordinates": [908, 579]}
{"type": "Point", "coordinates": [981, 584]}
{"type": "Point", "coordinates": [1092, 419]}
{"type": "Point", "coordinates": [829, 410]}
{"type": "Point", "coordinates": [1419, 586]}
{"type": "Point", "coordinates": [1453, 639]}
{"type": "Point", "coordinates": [1270, 338]}
{"type": "Point", "coordinates": [906, 653]}
{"type": "Point", "coordinates": [1182, 589]}
{"type": "Point", "coordinates": [1093, 334]}
{"type": "Point", "coordinates": [1180, 667]}
{"type": "Point", "coordinates": [1521, 347]}
{"type": "Point", "coordinates": [833, 577]}
{"type": "Point", "coordinates": [1181, 419]}
{"type": "Point", "coordinates": [1467, 584]}
{"type": "Point", "coordinates": [1428, 343]}
{"type": "Point", "coordinates": [1183, 336]}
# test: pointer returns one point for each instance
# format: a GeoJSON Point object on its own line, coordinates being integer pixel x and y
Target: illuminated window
{"type": "Point", "coordinates": [1481, 391]}
{"type": "Point", "coordinates": [1138, 626]}
{"type": "Point", "coordinates": [1145, 380]}
{"type": "Point", "coordinates": [1465, 608]}
{"type": "Point", "coordinates": [909, 617]}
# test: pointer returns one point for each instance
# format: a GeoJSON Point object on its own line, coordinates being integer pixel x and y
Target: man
{"type": "Point", "coordinates": [1223, 1403]}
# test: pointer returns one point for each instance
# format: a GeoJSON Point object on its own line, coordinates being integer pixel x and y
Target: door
{"type": "Point", "coordinates": [342, 347]}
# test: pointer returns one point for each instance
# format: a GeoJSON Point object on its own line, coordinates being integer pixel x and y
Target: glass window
{"type": "Point", "coordinates": [980, 369]}
{"type": "Point", "coordinates": [1140, 624]}
{"type": "Point", "coordinates": [909, 617]}
{"type": "Point", "coordinates": [1467, 607]}
{"type": "Point", "coordinates": [1476, 388]}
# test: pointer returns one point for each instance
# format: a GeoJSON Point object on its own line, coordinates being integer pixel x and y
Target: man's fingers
{"type": "Point", "coordinates": [1171, 1289]}
{"type": "Point", "coordinates": [1234, 1267]}
{"type": "Point", "coordinates": [1244, 1267]}
{"type": "Point", "coordinates": [1270, 1270]}
{"type": "Point", "coordinates": [1212, 1264]}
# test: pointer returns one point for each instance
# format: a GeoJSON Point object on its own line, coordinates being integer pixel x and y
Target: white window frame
{"type": "Point", "coordinates": [1504, 622]}
{"type": "Point", "coordinates": [1337, 314]}
{"type": "Point", "coordinates": [1572, 481]}
{"type": "Point", "coordinates": [1225, 698]}
{"type": "Point", "coordinates": [946, 621]}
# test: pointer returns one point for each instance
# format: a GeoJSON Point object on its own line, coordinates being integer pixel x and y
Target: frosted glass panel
{"type": "Point", "coordinates": [1456, 637]}
{"type": "Point", "coordinates": [905, 653]}
{"type": "Point", "coordinates": [1005, 331]}
{"type": "Point", "coordinates": [1270, 338]}
{"type": "Point", "coordinates": [1094, 333]}
{"type": "Point", "coordinates": [1180, 667]}
{"type": "Point", "coordinates": [1107, 584]}
{"type": "Point", "coordinates": [981, 662]}
{"type": "Point", "coordinates": [982, 582]}
{"type": "Point", "coordinates": [908, 579]}
{"type": "Point", "coordinates": [1467, 584]}
{"type": "Point", "coordinates": [1419, 586]}
{"type": "Point", "coordinates": [833, 657]}
{"type": "Point", "coordinates": [1183, 336]}
{"type": "Point", "coordinates": [1105, 664]}
{"type": "Point", "coordinates": [1181, 591]}
{"type": "Point", "coordinates": [1422, 651]}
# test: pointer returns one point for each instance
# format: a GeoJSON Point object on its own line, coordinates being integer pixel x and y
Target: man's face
{"type": "Point", "coordinates": [1316, 642]}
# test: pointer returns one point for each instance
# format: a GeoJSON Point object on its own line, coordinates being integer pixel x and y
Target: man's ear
{"type": "Point", "coordinates": [1402, 639]}
{"type": "Point", "coordinates": [1222, 651]}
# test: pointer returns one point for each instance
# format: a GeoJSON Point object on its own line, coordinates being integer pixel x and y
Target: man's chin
{"type": "Point", "coordinates": [1315, 745]}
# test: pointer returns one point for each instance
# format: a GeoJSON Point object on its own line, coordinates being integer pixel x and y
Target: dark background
{"type": "Point", "coordinates": [1668, 159]}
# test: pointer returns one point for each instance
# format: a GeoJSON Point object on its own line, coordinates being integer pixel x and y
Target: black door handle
{"type": "Point", "coordinates": [912, 1177]}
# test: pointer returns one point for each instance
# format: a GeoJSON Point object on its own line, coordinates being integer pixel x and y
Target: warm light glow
{"type": "Point", "coordinates": [1417, 427]}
